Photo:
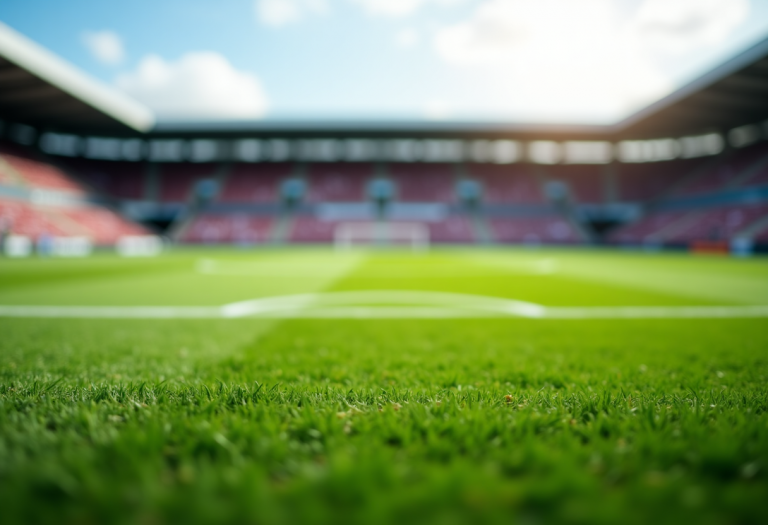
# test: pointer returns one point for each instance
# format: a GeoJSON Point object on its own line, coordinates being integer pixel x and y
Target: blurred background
{"type": "Point", "coordinates": [613, 122]}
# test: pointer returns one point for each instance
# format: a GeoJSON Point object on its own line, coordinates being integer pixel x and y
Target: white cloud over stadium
{"type": "Point", "coordinates": [200, 84]}
{"type": "Point", "coordinates": [105, 46]}
{"type": "Point", "coordinates": [398, 8]}
{"type": "Point", "coordinates": [682, 26]}
{"type": "Point", "coordinates": [279, 13]}
{"type": "Point", "coordinates": [560, 54]}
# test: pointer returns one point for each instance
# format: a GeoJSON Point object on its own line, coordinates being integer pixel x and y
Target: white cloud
{"type": "Point", "coordinates": [278, 13]}
{"type": "Point", "coordinates": [407, 38]}
{"type": "Point", "coordinates": [680, 26]}
{"type": "Point", "coordinates": [198, 85]}
{"type": "Point", "coordinates": [584, 59]}
{"type": "Point", "coordinates": [394, 8]}
{"type": "Point", "coordinates": [105, 46]}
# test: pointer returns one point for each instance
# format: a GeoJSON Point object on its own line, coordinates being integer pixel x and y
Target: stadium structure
{"type": "Point", "coordinates": [78, 159]}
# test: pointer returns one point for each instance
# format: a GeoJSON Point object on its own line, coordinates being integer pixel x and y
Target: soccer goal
{"type": "Point", "coordinates": [366, 234]}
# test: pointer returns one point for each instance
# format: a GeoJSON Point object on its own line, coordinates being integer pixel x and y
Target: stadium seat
{"type": "Point", "coordinates": [586, 183]}
{"type": "Point", "coordinates": [639, 231]}
{"type": "Point", "coordinates": [338, 182]}
{"type": "Point", "coordinates": [423, 182]}
{"type": "Point", "coordinates": [648, 181]}
{"type": "Point", "coordinates": [454, 229]}
{"type": "Point", "coordinates": [507, 184]}
{"type": "Point", "coordinates": [211, 228]}
{"type": "Point", "coordinates": [39, 174]}
{"type": "Point", "coordinates": [533, 230]}
{"type": "Point", "coordinates": [719, 224]}
{"type": "Point", "coordinates": [118, 180]}
{"type": "Point", "coordinates": [178, 180]}
{"type": "Point", "coordinates": [255, 183]}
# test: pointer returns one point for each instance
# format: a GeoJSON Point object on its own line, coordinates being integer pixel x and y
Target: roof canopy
{"type": "Point", "coordinates": [730, 95]}
{"type": "Point", "coordinates": [40, 89]}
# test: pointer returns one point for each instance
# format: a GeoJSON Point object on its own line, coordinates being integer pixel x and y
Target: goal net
{"type": "Point", "coordinates": [366, 234]}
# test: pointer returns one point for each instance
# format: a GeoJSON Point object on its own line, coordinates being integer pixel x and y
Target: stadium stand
{"type": "Point", "coordinates": [417, 185]}
{"type": "Point", "coordinates": [722, 223]}
{"type": "Point", "coordinates": [307, 229]}
{"type": "Point", "coordinates": [507, 184]}
{"type": "Point", "coordinates": [68, 208]}
{"type": "Point", "coordinates": [22, 218]}
{"type": "Point", "coordinates": [338, 182]}
{"type": "Point", "coordinates": [255, 183]}
{"type": "Point", "coordinates": [718, 224]}
{"type": "Point", "coordinates": [533, 230]}
{"type": "Point", "coordinates": [756, 173]}
{"type": "Point", "coordinates": [102, 225]}
{"type": "Point", "coordinates": [210, 228]}
{"type": "Point", "coordinates": [758, 179]}
{"type": "Point", "coordinates": [586, 183]}
{"type": "Point", "coordinates": [723, 174]}
{"type": "Point", "coordinates": [641, 230]}
{"type": "Point", "coordinates": [24, 165]}
{"type": "Point", "coordinates": [177, 180]}
{"type": "Point", "coordinates": [116, 180]}
{"type": "Point", "coordinates": [648, 181]}
{"type": "Point", "coordinates": [453, 229]}
{"type": "Point", "coordinates": [423, 182]}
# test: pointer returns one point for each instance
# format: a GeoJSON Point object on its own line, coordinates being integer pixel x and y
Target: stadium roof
{"type": "Point", "coordinates": [40, 89]}
{"type": "Point", "coordinates": [732, 94]}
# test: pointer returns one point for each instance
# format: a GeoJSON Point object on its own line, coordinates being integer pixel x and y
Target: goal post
{"type": "Point", "coordinates": [366, 234]}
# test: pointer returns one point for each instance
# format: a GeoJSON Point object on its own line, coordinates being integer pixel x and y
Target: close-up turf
{"type": "Point", "coordinates": [451, 386]}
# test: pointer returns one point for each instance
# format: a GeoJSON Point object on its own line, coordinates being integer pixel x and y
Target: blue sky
{"type": "Point", "coordinates": [586, 61]}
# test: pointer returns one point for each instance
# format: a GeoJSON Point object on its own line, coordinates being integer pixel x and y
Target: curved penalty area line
{"type": "Point", "coordinates": [384, 304]}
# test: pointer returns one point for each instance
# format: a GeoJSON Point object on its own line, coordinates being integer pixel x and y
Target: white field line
{"type": "Point", "coordinates": [655, 312]}
{"type": "Point", "coordinates": [112, 312]}
{"type": "Point", "coordinates": [385, 305]}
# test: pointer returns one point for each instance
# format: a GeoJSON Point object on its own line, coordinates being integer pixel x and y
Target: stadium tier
{"type": "Point", "coordinates": [254, 183]}
{"type": "Point", "coordinates": [101, 225]}
{"type": "Point", "coordinates": [209, 228]}
{"type": "Point", "coordinates": [20, 165]}
{"type": "Point", "coordinates": [507, 184]}
{"type": "Point", "coordinates": [728, 173]}
{"type": "Point", "coordinates": [676, 203]}
{"type": "Point", "coordinates": [717, 224]}
{"type": "Point", "coordinates": [453, 229]}
{"type": "Point", "coordinates": [641, 231]}
{"type": "Point", "coordinates": [40, 198]}
{"type": "Point", "coordinates": [647, 181]}
{"type": "Point", "coordinates": [586, 184]}
{"type": "Point", "coordinates": [534, 230]}
{"type": "Point", "coordinates": [423, 182]}
{"type": "Point", "coordinates": [338, 182]}
{"type": "Point", "coordinates": [177, 181]}
{"type": "Point", "coordinates": [118, 180]}
{"type": "Point", "coordinates": [22, 218]}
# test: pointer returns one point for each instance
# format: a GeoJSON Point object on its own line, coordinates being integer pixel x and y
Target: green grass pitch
{"type": "Point", "coordinates": [365, 419]}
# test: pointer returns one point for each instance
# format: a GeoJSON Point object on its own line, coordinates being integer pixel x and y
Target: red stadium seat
{"type": "Point", "coordinates": [533, 230]}
{"type": "Point", "coordinates": [210, 228]}
{"type": "Point", "coordinates": [507, 184]}
{"type": "Point", "coordinates": [257, 183]}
